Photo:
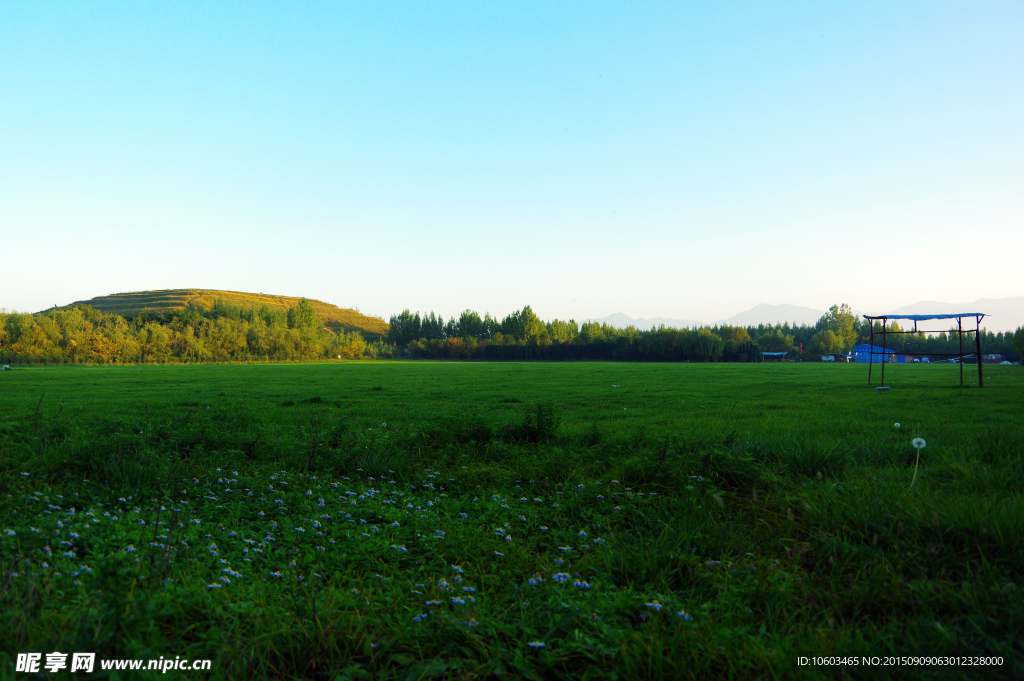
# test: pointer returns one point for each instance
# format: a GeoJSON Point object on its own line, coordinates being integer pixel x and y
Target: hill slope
{"type": "Point", "coordinates": [169, 301]}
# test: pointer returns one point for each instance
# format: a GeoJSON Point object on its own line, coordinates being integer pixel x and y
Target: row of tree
{"type": "Point", "coordinates": [195, 334]}
{"type": "Point", "coordinates": [224, 332]}
{"type": "Point", "coordinates": [522, 335]}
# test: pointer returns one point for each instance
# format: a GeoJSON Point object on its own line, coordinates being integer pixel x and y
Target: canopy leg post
{"type": "Point", "coordinates": [871, 350]}
{"type": "Point", "coordinates": [885, 349]}
{"type": "Point", "coordinates": [977, 343]}
{"type": "Point", "coordinates": [960, 335]}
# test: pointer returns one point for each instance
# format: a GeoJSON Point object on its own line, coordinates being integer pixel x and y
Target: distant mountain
{"type": "Point", "coordinates": [172, 300]}
{"type": "Point", "coordinates": [1006, 313]}
{"type": "Point", "coordinates": [759, 314]}
{"type": "Point", "coordinates": [621, 321]}
{"type": "Point", "coordinates": [774, 314]}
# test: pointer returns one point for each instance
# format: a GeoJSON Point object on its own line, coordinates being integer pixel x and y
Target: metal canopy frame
{"type": "Point", "coordinates": [959, 317]}
{"type": "Point", "coordinates": [775, 355]}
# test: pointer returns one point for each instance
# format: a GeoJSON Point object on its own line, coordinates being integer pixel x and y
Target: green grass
{"type": "Point", "coordinates": [772, 504]}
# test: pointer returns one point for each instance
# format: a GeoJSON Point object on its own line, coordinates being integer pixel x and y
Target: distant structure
{"type": "Point", "coordinates": [773, 356]}
{"type": "Point", "coordinates": [868, 354]}
{"type": "Point", "coordinates": [960, 331]}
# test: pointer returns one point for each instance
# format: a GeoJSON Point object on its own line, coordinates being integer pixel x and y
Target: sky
{"type": "Point", "coordinates": [685, 160]}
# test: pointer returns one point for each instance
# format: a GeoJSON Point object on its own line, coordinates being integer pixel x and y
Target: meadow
{"type": "Point", "coordinates": [408, 520]}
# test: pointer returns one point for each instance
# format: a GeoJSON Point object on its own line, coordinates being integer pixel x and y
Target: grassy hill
{"type": "Point", "coordinates": [169, 301]}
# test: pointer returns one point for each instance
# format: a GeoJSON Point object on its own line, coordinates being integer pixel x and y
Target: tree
{"type": "Point", "coordinates": [562, 332]}
{"type": "Point", "coordinates": [351, 345]}
{"type": "Point", "coordinates": [524, 326]}
{"type": "Point", "coordinates": [1018, 342]}
{"type": "Point", "coordinates": [469, 325]}
{"type": "Point", "coordinates": [302, 316]}
{"type": "Point", "coordinates": [776, 341]}
{"type": "Point", "coordinates": [734, 333]}
{"type": "Point", "coordinates": [826, 343]}
{"type": "Point", "coordinates": [404, 327]}
{"type": "Point", "coordinates": [707, 346]}
{"type": "Point", "coordinates": [433, 326]}
{"type": "Point", "coordinates": [841, 321]}
{"type": "Point", "coordinates": [591, 332]}
{"type": "Point", "coordinates": [155, 342]}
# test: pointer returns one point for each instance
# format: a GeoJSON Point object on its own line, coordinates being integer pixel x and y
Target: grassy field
{"type": "Point", "coordinates": [415, 520]}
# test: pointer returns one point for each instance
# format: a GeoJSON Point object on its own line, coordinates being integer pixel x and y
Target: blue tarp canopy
{"type": "Point", "coordinates": [924, 317]}
{"type": "Point", "coordinates": [866, 348]}
{"type": "Point", "coordinates": [774, 354]}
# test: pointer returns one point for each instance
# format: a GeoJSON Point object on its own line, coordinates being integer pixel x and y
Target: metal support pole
{"type": "Point", "coordinates": [871, 350]}
{"type": "Point", "coordinates": [960, 335]}
{"type": "Point", "coordinates": [977, 343]}
{"type": "Point", "coordinates": [885, 349]}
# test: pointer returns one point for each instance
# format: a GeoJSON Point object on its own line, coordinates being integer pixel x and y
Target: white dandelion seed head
{"type": "Point", "coordinates": [919, 443]}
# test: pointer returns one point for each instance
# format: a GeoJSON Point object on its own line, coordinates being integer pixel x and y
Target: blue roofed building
{"type": "Point", "coordinates": [863, 352]}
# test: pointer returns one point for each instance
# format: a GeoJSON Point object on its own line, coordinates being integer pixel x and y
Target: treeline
{"type": "Point", "coordinates": [219, 333]}
{"type": "Point", "coordinates": [223, 332]}
{"type": "Point", "coordinates": [523, 336]}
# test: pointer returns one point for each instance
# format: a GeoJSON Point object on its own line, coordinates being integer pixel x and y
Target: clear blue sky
{"type": "Point", "coordinates": [658, 159]}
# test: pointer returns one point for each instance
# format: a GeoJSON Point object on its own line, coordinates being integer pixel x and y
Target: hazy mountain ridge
{"type": "Point", "coordinates": [774, 314]}
{"type": "Point", "coordinates": [759, 314]}
{"type": "Point", "coordinates": [620, 321]}
{"type": "Point", "coordinates": [1005, 314]}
